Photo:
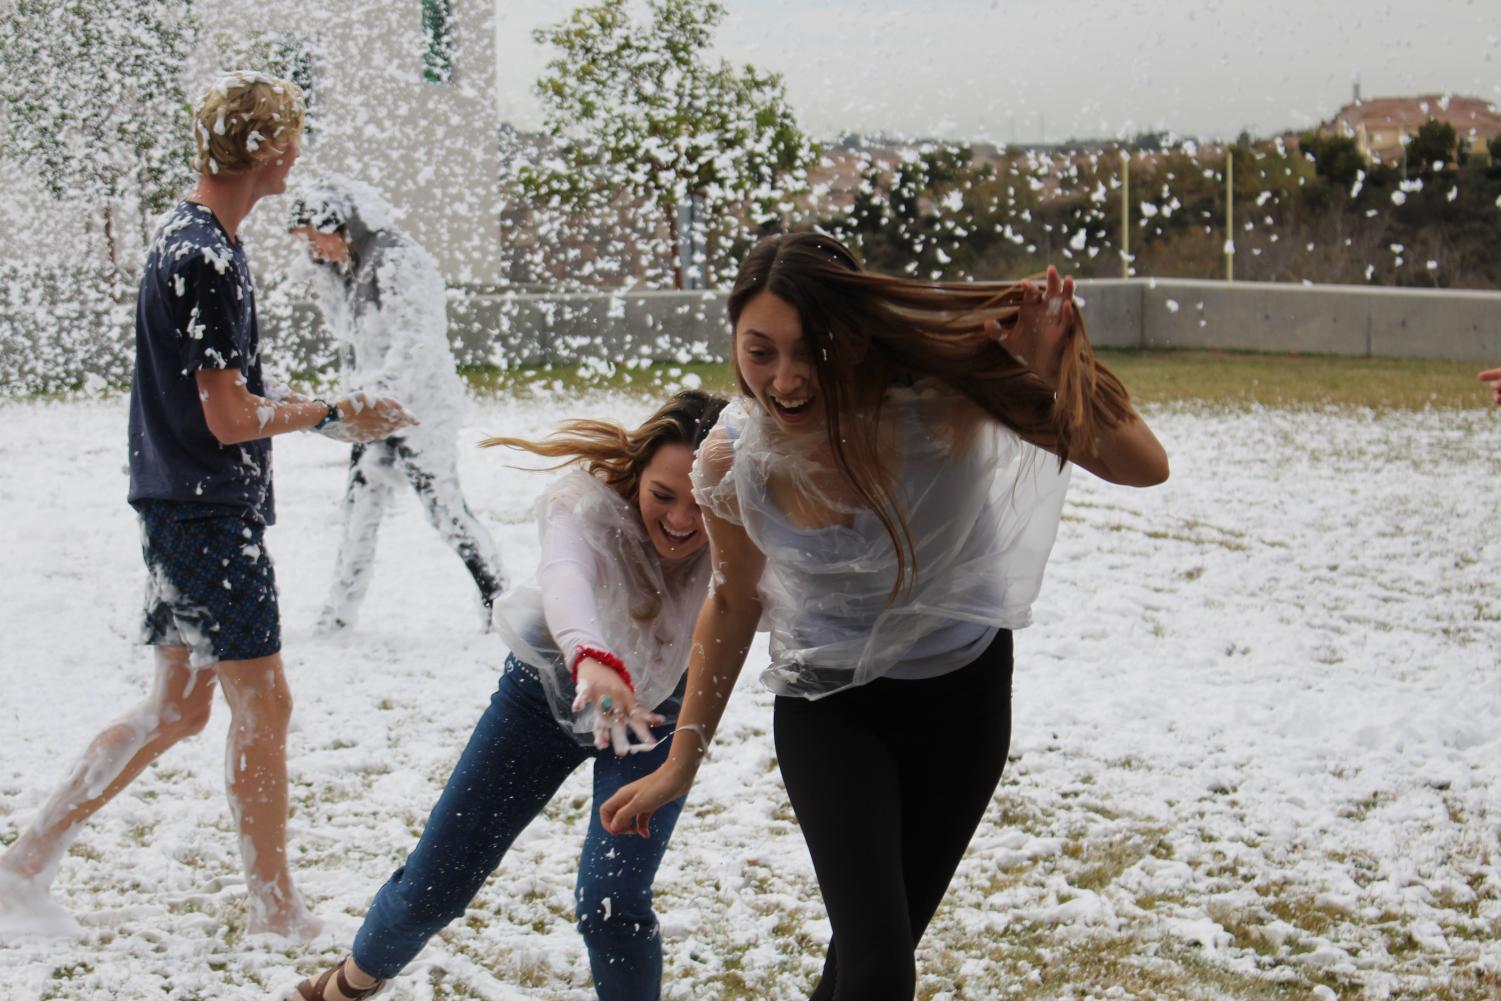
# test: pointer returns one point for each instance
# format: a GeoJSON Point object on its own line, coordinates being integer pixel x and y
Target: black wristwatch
{"type": "Point", "coordinates": [332, 417]}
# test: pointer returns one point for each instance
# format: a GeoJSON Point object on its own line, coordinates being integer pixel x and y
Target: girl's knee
{"type": "Point", "coordinates": [420, 911]}
{"type": "Point", "coordinates": [611, 914]}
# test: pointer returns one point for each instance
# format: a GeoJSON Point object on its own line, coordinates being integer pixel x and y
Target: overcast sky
{"type": "Point", "coordinates": [1002, 70]}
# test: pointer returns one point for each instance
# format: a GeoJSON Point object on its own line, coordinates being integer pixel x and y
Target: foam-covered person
{"type": "Point", "coordinates": [886, 493]}
{"type": "Point", "coordinates": [385, 303]}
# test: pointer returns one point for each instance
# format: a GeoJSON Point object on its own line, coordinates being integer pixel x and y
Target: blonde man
{"type": "Point", "coordinates": [201, 418]}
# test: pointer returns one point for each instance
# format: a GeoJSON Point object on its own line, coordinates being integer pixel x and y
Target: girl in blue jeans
{"type": "Point", "coordinates": [599, 646]}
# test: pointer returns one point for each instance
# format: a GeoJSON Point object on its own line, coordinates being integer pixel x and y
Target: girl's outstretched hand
{"type": "Point", "coordinates": [617, 708]}
{"type": "Point", "coordinates": [1037, 332]}
{"type": "Point", "coordinates": [629, 810]}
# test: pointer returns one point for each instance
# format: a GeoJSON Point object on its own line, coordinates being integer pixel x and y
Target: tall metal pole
{"type": "Point", "coordinates": [1230, 213]}
{"type": "Point", "coordinates": [1125, 213]}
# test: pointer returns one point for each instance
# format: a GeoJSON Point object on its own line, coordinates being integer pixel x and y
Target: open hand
{"type": "Point", "coordinates": [1036, 334]}
{"type": "Point", "coordinates": [617, 708]}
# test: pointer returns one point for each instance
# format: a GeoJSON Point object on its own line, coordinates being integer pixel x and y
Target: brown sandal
{"type": "Point", "coordinates": [312, 990]}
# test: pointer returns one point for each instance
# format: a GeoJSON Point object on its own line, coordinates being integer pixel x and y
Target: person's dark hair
{"type": "Point", "coordinates": [617, 455]}
{"type": "Point", "coordinates": [868, 331]}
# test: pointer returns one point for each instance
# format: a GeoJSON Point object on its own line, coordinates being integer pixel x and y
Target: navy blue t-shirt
{"type": "Point", "coordinates": [196, 310]}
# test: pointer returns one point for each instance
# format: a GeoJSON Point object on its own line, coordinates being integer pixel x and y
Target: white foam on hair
{"type": "Point", "coordinates": [363, 198]}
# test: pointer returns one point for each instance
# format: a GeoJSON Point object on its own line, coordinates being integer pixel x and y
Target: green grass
{"type": "Point", "coordinates": [1297, 380]}
{"type": "Point", "coordinates": [1034, 963]}
{"type": "Point", "coordinates": [1215, 378]}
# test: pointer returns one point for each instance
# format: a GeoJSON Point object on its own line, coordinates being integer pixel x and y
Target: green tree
{"type": "Point", "coordinates": [93, 100]}
{"type": "Point", "coordinates": [1434, 144]}
{"type": "Point", "coordinates": [1336, 159]}
{"type": "Point", "coordinates": [927, 215]}
{"type": "Point", "coordinates": [640, 111]}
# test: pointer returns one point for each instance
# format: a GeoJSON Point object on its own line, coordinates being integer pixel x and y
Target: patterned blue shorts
{"type": "Point", "coordinates": [210, 584]}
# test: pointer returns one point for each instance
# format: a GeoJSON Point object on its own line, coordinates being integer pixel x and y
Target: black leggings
{"type": "Point", "coordinates": [889, 781]}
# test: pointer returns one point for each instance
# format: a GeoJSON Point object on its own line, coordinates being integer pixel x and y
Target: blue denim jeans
{"type": "Point", "coordinates": [514, 764]}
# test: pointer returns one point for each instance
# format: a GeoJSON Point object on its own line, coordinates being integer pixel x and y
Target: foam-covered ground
{"type": "Point", "coordinates": [1256, 747]}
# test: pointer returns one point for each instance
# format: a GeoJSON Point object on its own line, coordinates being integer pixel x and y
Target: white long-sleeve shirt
{"type": "Point", "coordinates": [601, 584]}
{"type": "Point", "coordinates": [569, 576]}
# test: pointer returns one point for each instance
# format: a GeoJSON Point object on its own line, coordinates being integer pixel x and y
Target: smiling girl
{"type": "Point", "coordinates": [886, 494]}
{"type": "Point", "coordinates": [598, 645]}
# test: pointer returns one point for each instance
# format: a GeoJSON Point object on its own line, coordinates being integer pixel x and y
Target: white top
{"type": "Point", "coordinates": [982, 507]}
{"type": "Point", "coordinates": [598, 584]}
{"type": "Point", "coordinates": [390, 320]}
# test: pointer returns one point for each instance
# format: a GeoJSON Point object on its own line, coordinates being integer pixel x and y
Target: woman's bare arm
{"type": "Point", "coordinates": [721, 637]}
{"type": "Point", "coordinates": [1130, 454]}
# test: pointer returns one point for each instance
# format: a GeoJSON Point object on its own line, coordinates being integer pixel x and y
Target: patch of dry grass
{"type": "Point", "coordinates": [1297, 380]}
{"type": "Point", "coordinates": [1155, 377]}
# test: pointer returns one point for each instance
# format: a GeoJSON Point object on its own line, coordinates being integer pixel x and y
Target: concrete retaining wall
{"type": "Point", "coordinates": [1132, 313]}
{"type": "Point", "coordinates": [502, 328]}
{"type": "Point", "coordinates": [1319, 319]}
{"type": "Point", "coordinates": [533, 329]}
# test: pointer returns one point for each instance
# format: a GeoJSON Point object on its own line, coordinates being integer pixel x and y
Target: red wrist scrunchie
{"type": "Point", "coordinates": [606, 658]}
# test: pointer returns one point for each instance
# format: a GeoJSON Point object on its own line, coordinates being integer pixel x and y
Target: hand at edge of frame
{"type": "Point", "coordinates": [1492, 377]}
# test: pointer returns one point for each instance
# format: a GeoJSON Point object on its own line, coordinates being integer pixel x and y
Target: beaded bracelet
{"type": "Point", "coordinates": [606, 658]}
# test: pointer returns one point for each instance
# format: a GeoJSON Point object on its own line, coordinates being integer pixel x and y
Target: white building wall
{"type": "Point", "coordinates": [432, 148]}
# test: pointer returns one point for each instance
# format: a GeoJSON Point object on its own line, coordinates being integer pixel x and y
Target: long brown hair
{"type": "Point", "coordinates": [619, 456]}
{"type": "Point", "coordinates": [868, 331]}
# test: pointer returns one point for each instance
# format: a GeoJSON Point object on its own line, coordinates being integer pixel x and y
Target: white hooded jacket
{"type": "Point", "coordinates": [387, 309]}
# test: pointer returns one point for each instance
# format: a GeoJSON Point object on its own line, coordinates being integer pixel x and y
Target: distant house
{"type": "Point", "coordinates": [1382, 126]}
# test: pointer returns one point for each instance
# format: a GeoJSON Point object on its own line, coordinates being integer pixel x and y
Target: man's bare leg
{"type": "Point", "coordinates": [256, 778]}
{"type": "Point", "coordinates": [179, 705]}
